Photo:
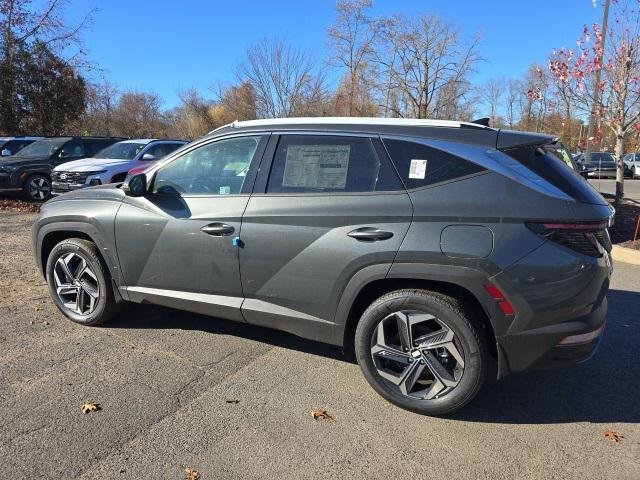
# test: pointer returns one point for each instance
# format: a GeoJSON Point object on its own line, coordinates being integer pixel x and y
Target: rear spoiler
{"type": "Point", "coordinates": [511, 138]}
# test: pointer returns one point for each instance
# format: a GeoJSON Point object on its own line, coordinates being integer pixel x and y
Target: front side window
{"type": "Point", "coordinates": [327, 163]}
{"type": "Point", "coordinates": [217, 168]}
{"type": "Point", "coordinates": [420, 165]}
{"type": "Point", "coordinates": [121, 151]}
{"type": "Point", "coordinates": [72, 149]}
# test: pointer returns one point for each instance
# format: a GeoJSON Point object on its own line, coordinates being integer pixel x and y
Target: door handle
{"type": "Point", "coordinates": [218, 229]}
{"type": "Point", "coordinates": [370, 234]}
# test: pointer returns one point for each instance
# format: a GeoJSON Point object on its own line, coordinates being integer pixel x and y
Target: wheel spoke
{"type": "Point", "coordinates": [435, 339]}
{"type": "Point", "coordinates": [438, 370]}
{"type": "Point", "coordinates": [434, 389]}
{"type": "Point", "coordinates": [65, 269]}
{"type": "Point", "coordinates": [80, 300]}
{"type": "Point", "coordinates": [404, 329]}
{"type": "Point", "coordinates": [410, 377]}
{"type": "Point", "coordinates": [90, 290]}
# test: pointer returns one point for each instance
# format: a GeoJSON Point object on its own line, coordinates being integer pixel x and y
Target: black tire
{"type": "Point", "coordinates": [105, 306]}
{"type": "Point", "coordinates": [448, 311]}
{"type": "Point", "coordinates": [37, 188]}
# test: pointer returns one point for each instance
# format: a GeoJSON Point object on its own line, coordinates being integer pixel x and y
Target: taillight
{"type": "Point", "coordinates": [502, 302]}
{"type": "Point", "coordinates": [588, 238]}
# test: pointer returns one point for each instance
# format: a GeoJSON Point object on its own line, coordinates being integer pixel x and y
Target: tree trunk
{"type": "Point", "coordinates": [619, 151]}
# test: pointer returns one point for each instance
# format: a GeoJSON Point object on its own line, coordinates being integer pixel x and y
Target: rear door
{"type": "Point", "coordinates": [176, 244]}
{"type": "Point", "coordinates": [326, 208]}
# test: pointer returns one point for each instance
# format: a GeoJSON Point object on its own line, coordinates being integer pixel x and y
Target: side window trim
{"type": "Point", "coordinates": [251, 173]}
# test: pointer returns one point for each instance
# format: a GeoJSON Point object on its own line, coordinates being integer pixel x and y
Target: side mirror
{"type": "Point", "coordinates": [148, 157]}
{"type": "Point", "coordinates": [135, 186]}
{"type": "Point", "coordinates": [6, 152]}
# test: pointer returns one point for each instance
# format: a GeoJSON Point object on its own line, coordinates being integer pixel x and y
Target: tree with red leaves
{"type": "Point", "coordinates": [575, 71]}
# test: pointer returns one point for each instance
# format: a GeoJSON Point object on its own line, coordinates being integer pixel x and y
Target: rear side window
{"type": "Point", "coordinates": [328, 163]}
{"type": "Point", "coordinates": [541, 160]}
{"type": "Point", "coordinates": [92, 146]}
{"type": "Point", "coordinates": [421, 166]}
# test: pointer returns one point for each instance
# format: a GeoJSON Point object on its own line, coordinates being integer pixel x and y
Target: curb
{"type": "Point", "coordinates": [627, 255]}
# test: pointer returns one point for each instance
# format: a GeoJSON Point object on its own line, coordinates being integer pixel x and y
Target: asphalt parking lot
{"type": "Point", "coordinates": [234, 401]}
{"type": "Point", "coordinates": [631, 187]}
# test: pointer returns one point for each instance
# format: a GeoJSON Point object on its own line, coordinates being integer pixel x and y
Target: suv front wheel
{"type": "Point", "coordinates": [79, 282]}
{"type": "Point", "coordinates": [37, 188]}
{"type": "Point", "coordinates": [421, 351]}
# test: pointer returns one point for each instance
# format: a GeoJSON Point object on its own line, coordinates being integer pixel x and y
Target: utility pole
{"type": "Point", "coordinates": [595, 106]}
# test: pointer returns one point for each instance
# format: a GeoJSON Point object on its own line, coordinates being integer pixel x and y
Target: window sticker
{"type": "Point", "coordinates": [418, 169]}
{"type": "Point", "coordinates": [226, 190]}
{"type": "Point", "coordinates": [316, 166]}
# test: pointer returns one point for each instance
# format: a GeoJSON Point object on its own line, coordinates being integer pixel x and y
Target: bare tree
{"type": "Point", "coordinates": [139, 115]}
{"type": "Point", "coordinates": [492, 93]}
{"type": "Point", "coordinates": [284, 78]}
{"type": "Point", "coordinates": [512, 95]}
{"type": "Point", "coordinates": [425, 58]}
{"type": "Point", "coordinates": [351, 41]}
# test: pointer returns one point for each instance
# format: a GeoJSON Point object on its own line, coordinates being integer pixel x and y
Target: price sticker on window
{"type": "Point", "coordinates": [418, 169]}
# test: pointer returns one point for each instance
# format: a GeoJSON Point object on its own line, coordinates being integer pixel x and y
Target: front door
{"type": "Point", "coordinates": [332, 206]}
{"type": "Point", "coordinates": [176, 244]}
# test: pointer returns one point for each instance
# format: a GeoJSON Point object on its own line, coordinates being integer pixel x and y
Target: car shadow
{"type": "Point", "coordinates": [603, 390]}
{"type": "Point", "coordinates": [156, 317]}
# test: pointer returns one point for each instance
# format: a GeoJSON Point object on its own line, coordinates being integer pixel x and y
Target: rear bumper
{"type": "Point", "coordinates": [560, 299]}
{"type": "Point", "coordinates": [543, 347]}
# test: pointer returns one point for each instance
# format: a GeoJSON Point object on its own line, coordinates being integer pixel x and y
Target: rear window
{"type": "Point", "coordinates": [541, 160]}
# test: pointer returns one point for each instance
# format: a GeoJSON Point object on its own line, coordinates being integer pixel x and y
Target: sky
{"type": "Point", "coordinates": [167, 46]}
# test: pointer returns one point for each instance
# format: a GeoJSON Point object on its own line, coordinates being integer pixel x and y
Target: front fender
{"type": "Point", "coordinates": [93, 218]}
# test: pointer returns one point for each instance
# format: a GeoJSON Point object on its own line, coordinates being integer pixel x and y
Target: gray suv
{"type": "Point", "coordinates": [441, 253]}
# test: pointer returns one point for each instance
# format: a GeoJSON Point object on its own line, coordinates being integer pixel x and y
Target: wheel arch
{"type": "Point", "coordinates": [48, 236]}
{"type": "Point", "coordinates": [362, 297]}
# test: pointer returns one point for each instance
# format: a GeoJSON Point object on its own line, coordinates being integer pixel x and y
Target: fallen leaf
{"type": "Point", "coordinates": [321, 413]}
{"type": "Point", "coordinates": [191, 474]}
{"type": "Point", "coordinates": [232, 401]}
{"type": "Point", "coordinates": [90, 407]}
{"type": "Point", "coordinates": [613, 436]}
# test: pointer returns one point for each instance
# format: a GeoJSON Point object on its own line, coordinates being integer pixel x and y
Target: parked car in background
{"type": "Point", "coordinates": [30, 170]}
{"type": "Point", "coordinates": [444, 253]}
{"type": "Point", "coordinates": [632, 161]}
{"type": "Point", "coordinates": [602, 165]}
{"type": "Point", "coordinates": [12, 145]}
{"type": "Point", "coordinates": [112, 164]}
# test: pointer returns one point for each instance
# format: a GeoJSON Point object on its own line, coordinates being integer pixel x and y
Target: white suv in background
{"type": "Point", "coordinates": [110, 165]}
{"type": "Point", "coordinates": [632, 160]}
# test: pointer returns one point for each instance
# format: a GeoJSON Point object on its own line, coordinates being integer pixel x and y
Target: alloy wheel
{"type": "Point", "coordinates": [39, 188]}
{"type": "Point", "coordinates": [76, 284]}
{"type": "Point", "coordinates": [417, 354]}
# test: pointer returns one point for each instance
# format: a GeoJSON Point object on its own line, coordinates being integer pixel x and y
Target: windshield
{"type": "Point", "coordinates": [602, 158]}
{"type": "Point", "coordinates": [43, 148]}
{"type": "Point", "coordinates": [121, 150]}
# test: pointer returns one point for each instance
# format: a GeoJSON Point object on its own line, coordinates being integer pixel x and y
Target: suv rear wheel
{"type": "Point", "coordinates": [79, 282]}
{"type": "Point", "coordinates": [421, 351]}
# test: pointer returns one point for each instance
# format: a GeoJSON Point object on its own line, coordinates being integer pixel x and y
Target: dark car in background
{"type": "Point", "coordinates": [12, 145]}
{"type": "Point", "coordinates": [601, 165]}
{"type": "Point", "coordinates": [442, 253]}
{"type": "Point", "coordinates": [30, 170]}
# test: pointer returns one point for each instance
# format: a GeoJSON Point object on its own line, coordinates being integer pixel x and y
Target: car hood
{"type": "Point", "coordinates": [91, 164]}
{"type": "Point", "coordinates": [14, 161]}
{"type": "Point", "coordinates": [101, 192]}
